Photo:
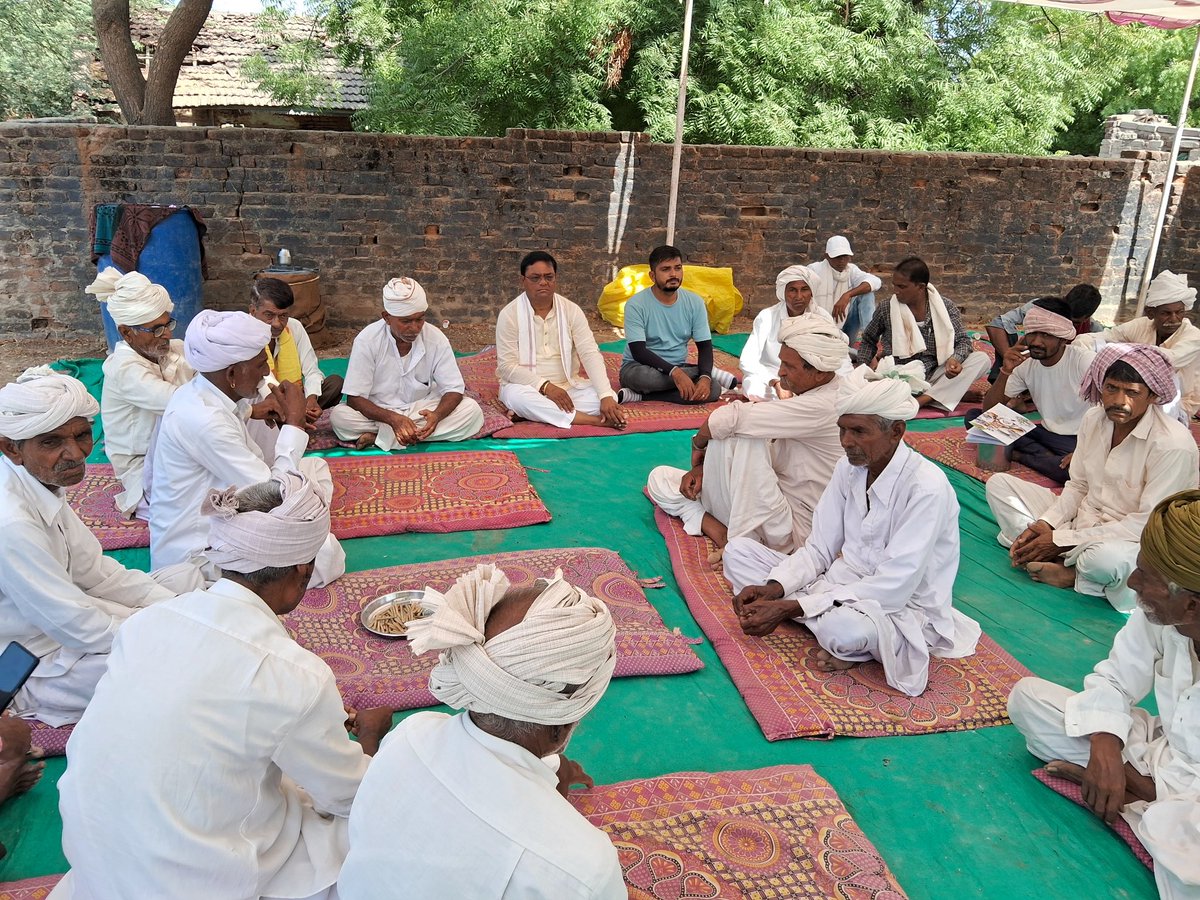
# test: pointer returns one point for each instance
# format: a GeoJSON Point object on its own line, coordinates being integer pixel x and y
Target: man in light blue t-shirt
{"type": "Point", "coordinates": [660, 321]}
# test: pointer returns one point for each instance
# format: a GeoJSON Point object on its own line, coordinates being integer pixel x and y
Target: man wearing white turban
{"type": "Point", "coordinates": [203, 443]}
{"type": "Point", "coordinates": [525, 666]}
{"type": "Point", "coordinates": [843, 289]}
{"type": "Point", "coordinates": [758, 469]}
{"type": "Point", "coordinates": [760, 357]}
{"type": "Point", "coordinates": [140, 376]}
{"type": "Point", "coordinates": [876, 576]}
{"type": "Point", "coordinates": [60, 595]}
{"type": "Point", "coordinates": [219, 739]}
{"type": "Point", "coordinates": [403, 385]}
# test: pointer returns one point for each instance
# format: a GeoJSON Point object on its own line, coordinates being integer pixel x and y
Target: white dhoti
{"type": "Point", "coordinates": [758, 384]}
{"type": "Point", "coordinates": [525, 401]}
{"type": "Point", "coordinates": [948, 392]}
{"type": "Point", "coordinates": [463, 423]}
{"type": "Point", "coordinates": [740, 490]}
{"type": "Point", "coordinates": [1102, 568]}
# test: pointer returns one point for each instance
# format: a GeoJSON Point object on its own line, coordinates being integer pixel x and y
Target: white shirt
{"type": "Point", "coordinates": [549, 366]}
{"type": "Point", "coordinates": [377, 372]}
{"type": "Point", "coordinates": [182, 775]}
{"type": "Point", "coordinates": [449, 811]}
{"type": "Point", "coordinates": [201, 444]}
{"type": "Point", "coordinates": [760, 355]}
{"type": "Point", "coordinates": [1111, 492]}
{"type": "Point", "coordinates": [832, 284]}
{"type": "Point", "coordinates": [1182, 349]}
{"type": "Point", "coordinates": [1055, 389]}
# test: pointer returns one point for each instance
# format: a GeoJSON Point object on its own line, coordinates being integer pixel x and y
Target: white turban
{"type": "Point", "coordinates": [404, 297]}
{"type": "Point", "coordinates": [291, 534]}
{"type": "Point", "coordinates": [888, 398]}
{"type": "Point", "coordinates": [794, 273]}
{"type": "Point", "coordinates": [566, 639]}
{"type": "Point", "coordinates": [41, 400]}
{"type": "Point", "coordinates": [819, 342]}
{"type": "Point", "coordinates": [133, 299]}
{"type": "Point", "coordinates": [217, 340]}
{"type": "Point", "coordinates": [1167, 287]}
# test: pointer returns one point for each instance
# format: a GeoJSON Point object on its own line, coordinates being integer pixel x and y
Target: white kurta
{"type": "Point", "coordinates": [135, 394]}
{"type": "Point", "coordinates": [1055, 389]}
{"type": "Point", "coordinates": [1058, 723]}
{"type": "Point", "coordinates": [832, 284]}
{"type": "Point", "coordinates": [447, 810]}
{"type": "Point", "coordinates": [759, 361]}
{"type": "Point", "coordinates": [182, 776]}
{"type": "Point", "coordinates": [889, 553]}
{"type": "Point", "coordinates": [1182, 348]}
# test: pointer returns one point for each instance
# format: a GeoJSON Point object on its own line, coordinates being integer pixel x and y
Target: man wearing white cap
{"type": "Point", "coordinates": [758, 469]}
{"type": "Point", "coordinates": [202, 441]}
{"type": "Point", "coordinates": [843, 289]}
{"type": "Point", "coordinates": [402, 383]}
{"type": "Point", "coordinates": [876, 576]}
{"type": "Point", "coordinates": [760, 356]}
{"type": "Point", "coordinates": [472, 805]}
{"type": "Point", "coordinates": [140, 375]}
{"type": "Point", "coordinates": [214, 761]}
{"type": "Point", "coordinates": [60, 595]}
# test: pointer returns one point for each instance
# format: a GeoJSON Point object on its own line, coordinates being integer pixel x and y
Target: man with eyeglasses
{"type": "Point", "coordinates": [541, 340]}
{"type": "Point", "coordinates": [140, 376]}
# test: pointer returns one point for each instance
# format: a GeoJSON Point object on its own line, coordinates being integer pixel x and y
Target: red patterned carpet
{"type": "Point", "coordinates": [29, 888]}
{"type": "Point", "coordinates": [950, 448]}
{"type": "Point", "coordinates": [373, 495]}
{"type": "Point", "coordinates": [1074, 793]}
{"type": "Point", "coordinates": [790, 699]}
{"type": "Point", "coordinates": [376, 671]}
{"type": "Point", "coordinates": [770, 833]}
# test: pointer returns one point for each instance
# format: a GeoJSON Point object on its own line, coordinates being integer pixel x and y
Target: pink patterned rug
{"type": "Point", "coordinates": [29, 888]}
{"type": "Point", "coordinates": [790, 698]}
{"type": "Point", "coordinates": [950, 448]}
{"type": "Point", "coordinates": [1074, 793]}
{"type": "Point", "coordinates": [375, 671]}
{"type": "Point", "coordinates": [52, 741]}
{"type": "Point", "coordinates": [777, 832]}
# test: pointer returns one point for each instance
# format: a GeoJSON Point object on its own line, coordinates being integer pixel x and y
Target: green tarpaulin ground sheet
{"type": "Point", "coordinates": [954, 814]}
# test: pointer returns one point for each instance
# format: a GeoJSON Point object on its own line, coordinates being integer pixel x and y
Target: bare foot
{"type": "Point", "coordinates": [1051, 573]}
{"type": "Point", "coordinates": [365, 441]}
{"type": "Point", "coordinates": [827, 662]}
{"type": "Point", "coordinates": [714, 558]}
{"type": "Point", "coordinates": [1068, 770]}
{"type": "Point", "coordinates": [17, 775]}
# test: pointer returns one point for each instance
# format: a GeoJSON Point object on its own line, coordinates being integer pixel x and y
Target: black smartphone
{"type": "Point", "coordinates": [16, 665]}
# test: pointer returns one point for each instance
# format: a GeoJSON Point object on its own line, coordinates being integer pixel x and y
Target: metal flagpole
{"type": "Point", "coordinates": [677, 153]}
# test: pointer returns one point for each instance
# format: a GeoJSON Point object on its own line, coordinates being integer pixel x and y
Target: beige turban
{"type": "Point", "coordinates": [794, 273]}
{"type": "Point", "coordinates": [1051, 323]}
{"type": "Point", "coordinates": [133, 299]}
{"type": "Point", "coordinates": [523, 673]}
{"type": "Point", "coordinates": [289, 535]}
{"type": "Point", "coordinates": [404, 297]}
{"type": "Point", "coordinates": [819, 342]}
{"type": "Point", "coordinates": [1167, 287]}
{"type": "Point", "coordinates": [41, 400]}
{"type": "Point", "coordinates": [888, 398]}
{"type": "Point", "coordinates": [217, 340]}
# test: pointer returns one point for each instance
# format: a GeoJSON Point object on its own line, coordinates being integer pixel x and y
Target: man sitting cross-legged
{"type": "Point", "coordinates": [874, 579]}
{"type": "Point", "coordinates": [472, 805]}
{"type": "Point", "coordinates": [1083, 299]}
{"type": "Point", "coordinates": [214, 760]}
{"type": "Point", "coordinates": [1047, 364]}
{"type": "Point", "coordinates": [140, 376]}
{"type": "Point", "coordinates": [1141, 767]}
{"type": "Point", "coordinates": [60, 595]}
{"type": "Point", "coordinates": [760, 357]}
{"type": "Point", "coordinates": [758, 469]}
{"type": "Point", "coordinates": [541, 340]}
{"type": "Point", "coordinates": [402, 383]}
{"type": "Point", "coordinates": [660, 322]}
{"type": "Point", "coordinates": [1130, 456]}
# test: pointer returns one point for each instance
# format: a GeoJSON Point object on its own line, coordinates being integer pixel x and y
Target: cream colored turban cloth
{"type": "Point", "coordinates": [1171, 539]}
{"type": "Point", "coordinates": [289, 535]}
{"type": "Point", "coordinates": [41, 400]}
{"type": "Point", "coordinates": [1167, 287]}
{"type": "Point", "coordinates": [1051, 323]}
{"type": "Point", "coordinates": [218, 340]}
{"type": "Point", "coordinates": [888, 398]}
{"type": "Point", "coordinates": [133, 299]}
{"type": "Point", "coordinates": [820, 343]}
{"type": "Point", "coordinates": [523, 673]}
{"type": "Point", "coordinates": [404, 297]}
{"type": "Point", "coordinates": [794, 273]}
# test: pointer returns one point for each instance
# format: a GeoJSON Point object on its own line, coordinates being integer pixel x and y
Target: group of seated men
{"type": "Point", "coordinates": [856, 540]}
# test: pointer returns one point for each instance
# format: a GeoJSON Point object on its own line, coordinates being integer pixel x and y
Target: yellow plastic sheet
{"type": "Point", "coordinates": [714, 285]}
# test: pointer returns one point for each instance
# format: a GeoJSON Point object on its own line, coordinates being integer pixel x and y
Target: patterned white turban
{"type": "Point", "coordinates": [41, 400]}
{"type": "Point", "coordinates": [1167, 287]}
{"type": "Point", "coordinates": [819, 342]}
{"type": "Point", "coordinates": [133, 299]}
{"type": "Point", "coordinates": [1149, 362]}
{"type": "Point", "coordinates": [291, 534]}
{"type": "Point", "coordinates": [1051, 323]}
{"type": "Point", "coordinates": [888, 398]}
{"type": "Point", "coordinates": [794, 273]}
{"type": "Point", "coordinates": [404, 297]}
{"type": "Point", "coordinates": [218, 340]}
{"type": "Point", "coordinates": [526, 672]}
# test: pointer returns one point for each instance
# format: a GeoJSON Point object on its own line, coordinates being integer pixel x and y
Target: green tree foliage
{"type": "Point", "coordinates": [43, 62]}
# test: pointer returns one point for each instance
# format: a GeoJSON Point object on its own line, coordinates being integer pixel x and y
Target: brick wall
{"type": "Point", "coordinates": [457, 213]}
